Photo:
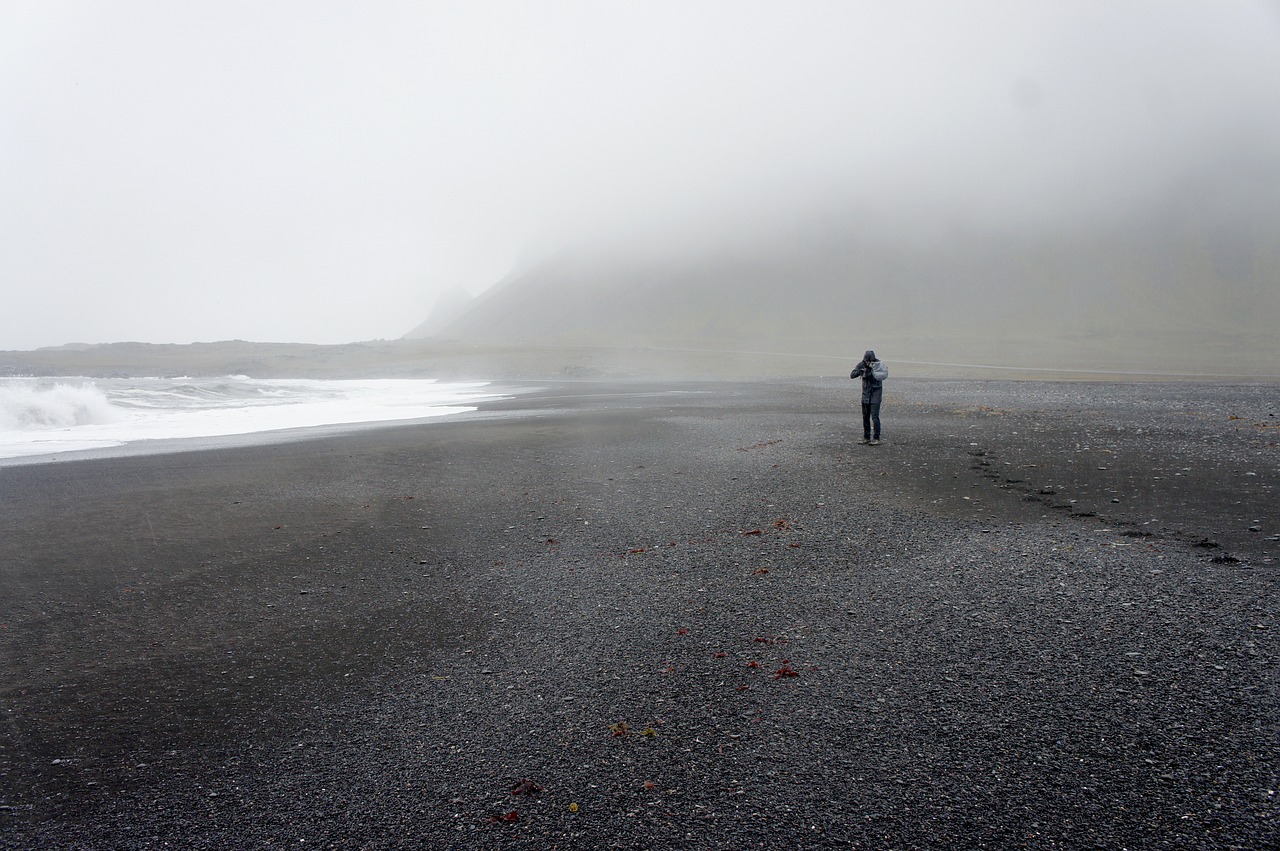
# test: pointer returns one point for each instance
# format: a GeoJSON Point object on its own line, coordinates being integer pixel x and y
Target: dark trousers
{"type": "Point", "coordinates": [870, 415]}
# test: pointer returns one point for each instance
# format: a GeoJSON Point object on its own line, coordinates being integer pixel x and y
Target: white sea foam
{"type": "Point", "coordinates": [44, 416]}
{"type": "Point", "coordinates": [29, 406]}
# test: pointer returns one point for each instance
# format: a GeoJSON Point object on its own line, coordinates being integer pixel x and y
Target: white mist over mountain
{"type": "Point", "coordinates": [175, 172]}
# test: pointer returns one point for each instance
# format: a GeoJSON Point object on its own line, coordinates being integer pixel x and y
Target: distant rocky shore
{"type": "Point", "coordinates": [450, 359]}
{"type": "Point", "coordinates": [445, 359]}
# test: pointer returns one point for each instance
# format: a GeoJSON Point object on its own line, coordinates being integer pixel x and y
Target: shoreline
{"type": "Point", "coordinates": [181, 426]}
{"type": "Point", "coordinates": [369, 638]}
{"type": "Point", "coordinates": [501, 401]}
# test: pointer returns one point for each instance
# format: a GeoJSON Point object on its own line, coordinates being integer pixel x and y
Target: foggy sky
{"type": "Point", "coordinates": [322, 171]}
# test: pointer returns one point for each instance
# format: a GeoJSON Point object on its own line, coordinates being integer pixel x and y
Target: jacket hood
{"type": "Point", "coordinates": [870, 355]}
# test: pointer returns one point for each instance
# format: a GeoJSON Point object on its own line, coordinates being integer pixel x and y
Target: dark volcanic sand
{"type": "Point", "coordinates": [1038, 615]}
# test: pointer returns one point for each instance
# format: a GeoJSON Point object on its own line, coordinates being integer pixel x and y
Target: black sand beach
{"type": "Point", "coordinates": [652, 615]}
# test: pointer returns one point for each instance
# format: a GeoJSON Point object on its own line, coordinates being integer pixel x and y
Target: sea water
{"type": "Point", "coordinates": [43, 416]}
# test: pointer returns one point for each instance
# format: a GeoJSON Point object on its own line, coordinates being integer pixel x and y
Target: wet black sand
{"type": "Point", "coordinates": [694, 615]}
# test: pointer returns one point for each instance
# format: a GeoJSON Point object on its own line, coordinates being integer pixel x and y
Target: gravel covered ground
{"type": "Point", "coordinates": [683, 616]}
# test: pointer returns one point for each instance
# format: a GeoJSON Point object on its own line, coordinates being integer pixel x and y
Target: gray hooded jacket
{"type": "Point", "coordinates": [872, 387]}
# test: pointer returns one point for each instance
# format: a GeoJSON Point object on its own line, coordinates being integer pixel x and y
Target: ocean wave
{"type": "Point", "coordinates": [25, 407]}
{"type": "Point", "coordinates": [44, 416]}
{"type": "Point", "coordinates": [218, 393]}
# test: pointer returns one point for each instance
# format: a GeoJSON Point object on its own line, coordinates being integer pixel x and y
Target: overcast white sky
{"type": "Point", "coordinates": [317, 171]}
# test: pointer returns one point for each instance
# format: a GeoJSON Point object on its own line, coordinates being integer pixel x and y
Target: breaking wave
{"type": "Point", "coordinates": [26, 406]}
{"type": "Point", "coordinates": [46, 416]}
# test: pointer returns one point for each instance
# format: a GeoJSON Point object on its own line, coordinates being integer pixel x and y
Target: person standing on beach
{"type": "Point", "coordinates": [873, 372]}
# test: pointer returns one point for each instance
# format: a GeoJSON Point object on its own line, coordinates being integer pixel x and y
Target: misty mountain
{"type": "Point", "coordinates": [450, 305]}
{"type": "Point", "coordinates": [1169, 284]}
